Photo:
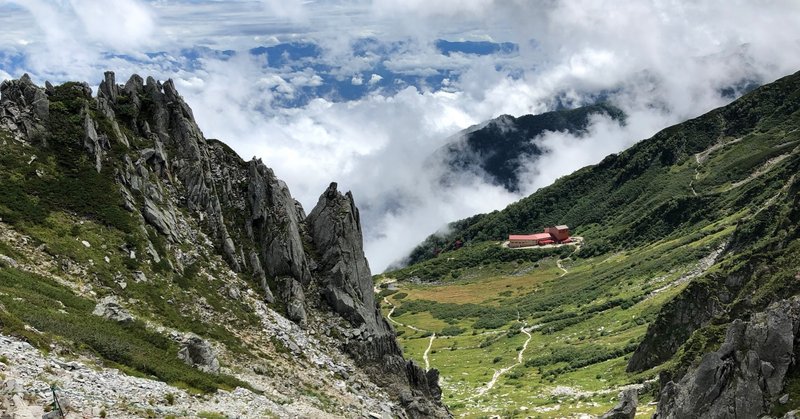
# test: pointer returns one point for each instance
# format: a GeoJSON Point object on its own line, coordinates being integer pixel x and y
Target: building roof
{"type": "Point", "coordinates": [537, 236]}
{"type": "Point", "coordinates": [562, 227]}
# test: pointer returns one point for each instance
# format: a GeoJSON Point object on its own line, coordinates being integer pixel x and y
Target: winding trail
{"type": "Point", "coordinates": [701, 158]}
{"type": "Point", "coordinates": [696, 176]}
{"type": "Point", "coordinates": [430, 343]}
{"type": "Point", "coordinates": [428, 349]}
{"type": "Point", "coordinates": [389, 317]}
{"type": "Point", "coordinates": [498, 373]}
{"type": "Point", "coordinates": [560, 266]}
{"type": "Point", "coordinates": [766, 167]}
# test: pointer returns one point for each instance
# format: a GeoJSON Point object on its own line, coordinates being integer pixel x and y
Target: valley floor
{"type": "Point", "coordinates": [549, 338]}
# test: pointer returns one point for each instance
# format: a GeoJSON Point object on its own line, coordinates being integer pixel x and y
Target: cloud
{"type": "Point", "coordinates": [427, 8]}
{"type": "Point", "coordinates": [289, 9]}
{"type": "Point", "coordinates": [68, 38]}
{"type": "Point", "coordinates": [118, 24]}
{"type": "Point", "coordinates": [565, 153]}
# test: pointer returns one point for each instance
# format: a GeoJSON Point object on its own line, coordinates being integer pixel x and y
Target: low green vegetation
{"type": "Point", "coordinates": [52, 193]}
{"type": "Point", "coordinates": [485, 255]}
{"type": "Point", "coordinates": [35, 182]}
{"type": "Point", "coordinates": [584, 323]}
{"type": "Point", "coordinates": [57, 314]}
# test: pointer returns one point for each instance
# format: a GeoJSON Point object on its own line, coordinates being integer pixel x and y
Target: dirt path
{"type": "Point", "coordinates": [428, 349]}
{"type": "Point", "coordinates": [766, 167]}
{"type": "Point", "coordinates": [702, 266]}
{"type": "Point", "coordinates": [560, 266]}
{"type": "Point", "coordinates": [696, 175]}
{"type": "Point", "coordinates": [389, 317]}
{"type": "Point", "coordinates": [433, 334]}
{"type": "Point", "coordinates": [498, 373]}
{"type": "Point", "coordinates": [775, 197]}
{"type": "Point", "coordinates": [701, 158]}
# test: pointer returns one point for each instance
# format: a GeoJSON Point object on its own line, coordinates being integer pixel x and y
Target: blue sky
{"type": "Point", "coordinates": [362, 91]}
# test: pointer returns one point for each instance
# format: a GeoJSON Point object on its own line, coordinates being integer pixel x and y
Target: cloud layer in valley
{"type": "Point", "coordinates": [364, 94]}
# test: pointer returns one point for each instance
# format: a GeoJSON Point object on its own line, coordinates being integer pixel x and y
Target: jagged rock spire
{"type": "Point", "coordinates": [24, 109]}
{"type": "Point", "coordinates": [335, 227]}
{"type": "Point", "coordinates": [346, 283]}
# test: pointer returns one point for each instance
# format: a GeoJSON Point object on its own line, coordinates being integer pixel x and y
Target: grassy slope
{"type": "Point", "coordinates": [645, 228]}
{"type": "Point", "coordinates": [60, 315]}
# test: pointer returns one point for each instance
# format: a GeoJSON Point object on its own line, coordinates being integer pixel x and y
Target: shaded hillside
{"type": "Point", "coordinates": [501, 147]}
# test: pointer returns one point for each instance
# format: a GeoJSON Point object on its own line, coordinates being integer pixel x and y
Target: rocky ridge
{"type": "Point", "coordinates": [746, 376]}
{"type": "Point", "coordinates": [192, 190]}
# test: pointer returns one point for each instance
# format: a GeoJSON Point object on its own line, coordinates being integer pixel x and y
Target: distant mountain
{"type": "Point", "coordinates": [500, 148]}
{"type": "Point", "coordinates": [476, 47]}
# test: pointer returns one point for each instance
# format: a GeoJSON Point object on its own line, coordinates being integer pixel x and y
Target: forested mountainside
{"type": "Point", "coordinates": [686, 174]}
{"type": "Point", "coordinates": [131, 241]}
{"type": "Point", "coordinates": [499, 149]}
{"type": "Point", "coordinates": [719, 192]}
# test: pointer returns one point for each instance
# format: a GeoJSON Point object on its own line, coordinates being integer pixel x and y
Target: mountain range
{"type": "Point", "coordinates": [147, 271]}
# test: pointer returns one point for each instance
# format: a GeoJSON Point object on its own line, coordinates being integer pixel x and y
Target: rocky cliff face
{"type": "Point", "coordinates": [745, 377]}
{"type": "Point", "coordinates": [346, 284]}
{"type": "Point", "coordinates": [172, 179]}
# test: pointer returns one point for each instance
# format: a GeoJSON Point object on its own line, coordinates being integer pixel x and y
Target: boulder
{"type": "Point", "coordinates": [164, 220]}
{"type": "Point", "coordinates": [745, 377]}
{"type": "Point", "coordinates": [260, 277]}
{"type": "Point", "coordinates": [108, 87]}
{"type": "Point", "coordinates": [275, 225]}
{"type": "Point", "coordinates": [24, 109]}
{"type": "Point", "coordinates": [94, 143]}
{"type": "Point", "coordinates": [7, 261]}
{"type": "Point", "coordinates": [346, 284]}
{"type": "Point", "coordinates": [199, 354]}
{"type": "Point", "coordinates": [138, 276]}
{"type": "Point", "coordinates": [110, 309]}
{"type": "Point", "coordinates": [295, 299]}
{"type": "Point", "coordinates": [626, 407]}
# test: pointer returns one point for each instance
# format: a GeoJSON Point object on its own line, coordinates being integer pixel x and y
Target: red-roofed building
{"type": "Point", "coordinates": [525, 240]}
{"type": "Point", "coordinates": [557, 234]}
